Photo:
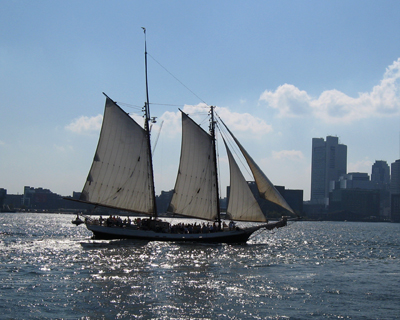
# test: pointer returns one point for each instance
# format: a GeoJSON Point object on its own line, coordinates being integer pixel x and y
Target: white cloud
{"type": "Point", "coordinates": [289, 100]}
{"type": "Point", "coordinates": [364, 165]}
{"type": "Point", "coordinates": [2, 143]}
{"type": "Point", "coordinates": [172, 121]}
{"type": "Point", "coordinates": [293, 155]}
{"type": "Point", "coordinates": [172, 124]}
{"type": "Point", "coordinates": [237, 122]}
{"type": "Point", "coordinates": [85, 124]}
{"type": "Point", "coordinates": [234, 120]}
{"type": "Point", "coordinates": [243, 122]}
{"type": "Point", "coordinates": [333, 106]}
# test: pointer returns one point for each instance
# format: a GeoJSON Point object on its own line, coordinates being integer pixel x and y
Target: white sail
{"type": "Point", "coordinates": [265, 187]}
{"type": "Point", "coordinates": [195, 192]}
{"type": "Point", "coordinates": [120, 174]}
{"type": "Point", "coordinates": [242, 203]}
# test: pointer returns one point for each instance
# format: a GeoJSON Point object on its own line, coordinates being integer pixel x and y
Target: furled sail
{"type": "Point", "coordinates": [242, 203]}
{"type": "Point", "coordinates": [195, 192]}
{"type": "Point", "coordinates": [265, 187]}
{"type": "Point", "coordinates": [120, 174]}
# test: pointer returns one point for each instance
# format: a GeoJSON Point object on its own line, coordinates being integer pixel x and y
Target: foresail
{"type": "Point", "coordinates": [195, 187]}
{"type": "Point", "coordinates": [242, 203]}
{"type": "Point", "coordinates": [265, 187]}
{"type": "Point", "coordinates": [120, 173]}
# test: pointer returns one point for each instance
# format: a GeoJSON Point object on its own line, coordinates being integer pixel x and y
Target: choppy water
{"type": "Point", "coordinates": [50, 269]}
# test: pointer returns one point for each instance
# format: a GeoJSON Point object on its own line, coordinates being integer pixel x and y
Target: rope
{"type": "Point", "coordinates": [187, 88]}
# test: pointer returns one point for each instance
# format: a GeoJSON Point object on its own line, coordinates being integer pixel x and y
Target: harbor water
{"type": "Point", "coordinates": [51, 269]}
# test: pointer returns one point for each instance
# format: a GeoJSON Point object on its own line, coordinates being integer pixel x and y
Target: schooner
{"type": "Point", "coordinates": [122, 177]}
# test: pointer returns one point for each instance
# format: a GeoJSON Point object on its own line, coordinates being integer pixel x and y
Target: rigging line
{"type": "Point", "coordinates": [203, 122]}
{"type": "Point", "coordinates": [158, 136]}
{"type": "Point", "coordinates": [127, 104]}
{"type": "Point", "coordinates": [176, 78]}
{"type": "Point", "coordinates": [234, 148]}
{"type": "Point", "coordinates": [165, 104]}
{"type": "Point", "coordinates": [130, 106]}
{"type": "Point", "coordinates": [134, 113]}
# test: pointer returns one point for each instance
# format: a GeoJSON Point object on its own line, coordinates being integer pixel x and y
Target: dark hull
{"type": "Point", "coordinates": [234, 236]}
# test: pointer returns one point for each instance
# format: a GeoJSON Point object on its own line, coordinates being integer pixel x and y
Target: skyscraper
{"type": "Point", "coordinates": [380, 179]}
{"type": "Point", "coordinates": [395, 178]}
{"type": "Point", "coordinates": [329, 162]}
{"type": "Point", "coordinates": [395, 191]}
{"type": "Point", "coordinates": [380, 173]}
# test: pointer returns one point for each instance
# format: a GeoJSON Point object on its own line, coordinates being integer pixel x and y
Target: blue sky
{"type": "Point", "coordinates": [280, 73]}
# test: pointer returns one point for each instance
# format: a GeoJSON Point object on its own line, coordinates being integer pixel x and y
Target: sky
{"type": "Point", "coordinates": [279, 72]}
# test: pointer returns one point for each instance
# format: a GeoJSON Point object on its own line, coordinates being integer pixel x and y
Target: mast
{"type": "Point", "coordinates": [147, 127]}
{"type": "Point", "coordinates": [212, 129]}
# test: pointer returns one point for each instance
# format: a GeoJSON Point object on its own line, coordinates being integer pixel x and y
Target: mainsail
{"type": "Point", "coordinates": [195, 192]}
{"type": "Point", "coordinates": [120, 175]}
{"type": "Point", "coordinates": [242, 203]}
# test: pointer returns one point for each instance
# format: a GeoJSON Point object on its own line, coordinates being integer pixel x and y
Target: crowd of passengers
{"type": "Point", "coordinates": [199, 228]}
{"type": "Point", "coordinates": [116, 221]}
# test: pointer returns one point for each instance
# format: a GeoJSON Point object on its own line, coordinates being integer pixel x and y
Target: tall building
{"type": "Point", "coordinates": [380, 173]}
{"type": "Point", "coordinates": [395, 191]}
{"type": "Point", "coordinates": [395, 178]}
{"type": "Point", "coordinates": [3, 195]}
{"type": "Point", "coordinates": [329, 162]}
{"type": "Point", "coordinates": [380, 178]}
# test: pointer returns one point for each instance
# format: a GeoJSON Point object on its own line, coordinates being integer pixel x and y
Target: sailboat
{"type": "Point", "coordinates": [122, 177]}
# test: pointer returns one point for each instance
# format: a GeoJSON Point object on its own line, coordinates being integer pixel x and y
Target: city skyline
{"type": "Point", "coordinates": [382, 176]}
{"type": "Point", "coordinates": [280, 74]}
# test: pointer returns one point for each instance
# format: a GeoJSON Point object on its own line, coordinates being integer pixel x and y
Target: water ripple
{"type": "Point", "coordinates": [51, 269]}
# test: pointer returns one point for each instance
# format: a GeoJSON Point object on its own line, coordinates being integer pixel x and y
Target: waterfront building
{"type": "Point", "coordinates": [395, 208]}
{"type": "Point", "coordinates": [354, 205]}
{"type": "Point", "coordinates": [293, 197]}
{"type": "Point", "coordinates": [354, 180]}
{"type": "Point", "coordinates": [40, 199]}
{"type": "Point", "coordinates": [395, 191]}
{"type": "Point", "coordinates": [163, 200]}
{"type": "Point", "coordinates": [395, 178]}
{"type": "Point", "coordinates": [360, 181]}
{"type": "Point", "coordinates": [12, 202]}
{"type": "Point", "coordinates": [380, 178]}
{"type": "Point", "coordinates": [329, 162]}
{"type": "Point", "coordinates": [380, 173]}
{"type": "Point", "coordinates": [3, 194]}
{"type": "Point", "coordinates": [354, 198]}
{"type": "Point", "coordinates": [4, 206]}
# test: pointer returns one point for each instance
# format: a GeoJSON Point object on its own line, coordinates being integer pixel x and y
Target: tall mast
{"type": "Point", "coordinates": [147, 127]}
{"type": "Point", "coordinates": [212, 129]}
